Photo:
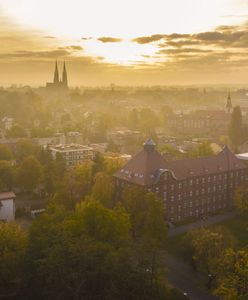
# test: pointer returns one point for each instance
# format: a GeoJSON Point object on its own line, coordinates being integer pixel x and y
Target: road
{"type": "Point", "coordinates": [207, 222]}
{"type": "Point", "coordinates": [181, 276]}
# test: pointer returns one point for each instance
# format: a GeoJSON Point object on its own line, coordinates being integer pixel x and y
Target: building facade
{"type": "Point", "coordinates": [7, 206]}
{"type": "Point", "coordinates": [72, 154]}
{"type": "Point", "coordinates": [190, 188]}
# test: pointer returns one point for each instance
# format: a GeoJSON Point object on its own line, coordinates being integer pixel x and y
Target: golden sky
{"type": "Point", "coordinates": [127, 42]}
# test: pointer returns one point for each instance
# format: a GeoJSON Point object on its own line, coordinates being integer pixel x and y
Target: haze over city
{"type": "Point", "coordinates": [126, 42]}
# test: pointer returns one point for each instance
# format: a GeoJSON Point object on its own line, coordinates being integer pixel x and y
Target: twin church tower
{"type": "Point", "coordinates": [58, 84]}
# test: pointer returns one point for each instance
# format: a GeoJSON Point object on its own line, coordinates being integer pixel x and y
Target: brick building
{"type": "Point", "coordinates": [189, 187]}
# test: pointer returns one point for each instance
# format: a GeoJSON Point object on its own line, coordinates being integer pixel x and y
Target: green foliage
{"type": "Point", "coordinates": [16, 131]}
{"type": "Point", "coordinates": [6, 175]}
{"type": "Point", "coordinates": [5, 153]}
{"type": "Point", "coordinates": [112, 164]}
{"type": "Point", "coordinates": [103, 189]}
{"type": "Point", "coordinates": [75, 184]}
{"type": "Point", "coordinates": [203, 149]}
{"type": "Point", "coordinates": [208, 246]}
{"type": "Point", "coordinates": [29, 173]}
{"type": "Point", "coordinates": [236, 127]}
{"type": "Point", "coordinates": [25, 148]}
{"type": "Point", "coordinates": [232, 275]}
{"type": "Point", "coordinates": [91, 249]}
{"type": "Point", "coordinates": [241, 199]}
{"type": "Point", "coordinates": [13, 243]}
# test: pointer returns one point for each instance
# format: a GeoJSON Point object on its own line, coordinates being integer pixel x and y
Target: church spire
{"type": "Point", "coordinates": [229, 103]}
{"type": "Point", "coordinates": [64, 77]}
{"type": "Point", "coordinates": [56, 74]}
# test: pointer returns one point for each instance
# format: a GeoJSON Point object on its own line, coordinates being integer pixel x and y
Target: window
{"type": "Point", "coordinates": [209, 179]}
{"type": "Point", "coordinates": [197, 180]}
{"type": "Point", "coordinates": [165, 195]}
{"type": "Point", "coordinates": [203, 180]}
{"type": "Point", "coordinates": [190, 204]}
{"type": "Point", "coordinates": [191, 182]}
{"type": "Point", "coordinates": [191, 193]}
{"type": "Point", "coordinates": [172, 198]}
{"type": "Point", "coordinates": [179, 196]}
{"type": "Point", "coordinates": [172, 187]}
{"type": "Point", "coordinates": [203, 191]}
{"type": "Point", "coordinates": [180, 185]}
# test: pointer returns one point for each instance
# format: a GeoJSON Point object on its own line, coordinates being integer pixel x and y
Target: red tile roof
{"type": "Point", "coordinates": [143, 169]}
{"type": "Point", "coordinates": [7, 195]}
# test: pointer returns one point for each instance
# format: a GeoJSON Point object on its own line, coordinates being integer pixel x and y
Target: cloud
{"type": "Point", "coordinates": [183, 50]}
{"type": "Point", "coordinates": [53, 54]}
{"type": "Point", "coordinates": [86, 38]}
{"type": "Point", "coordinates": [49, 37]}
{"type": "Point", "coordinates": [148, 39]}
{"type": "Point", "coordinates": [106, 39]}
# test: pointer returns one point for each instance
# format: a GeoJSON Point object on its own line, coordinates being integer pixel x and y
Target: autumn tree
{"type": "Point", "coordinates": [75, 185]}
{"type": "Point", "coordinates": [103, 189]}
{"type": "Point", "coordinates": [5, 153]}
{"type": "Point", "coordinates": [13, 244]}
{"type": "Point", "coordinates": [209, 245]}
{"type": "Point", "coordinates": [241, 199]}
{"type": "Point", "coordinates": [94, 253]}
{"type": "Point", "coordinates": [236, 127]}
{"type": "Point", "coordinates": [29, 173]}
{"type": "Point", "coordinates": [232, 275]}
{"type": "Point", "coordinates": [6, 175]}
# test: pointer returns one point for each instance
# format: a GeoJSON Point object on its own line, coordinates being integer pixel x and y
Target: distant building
{"type": "Point", "coordinates": [189, 188]}
{"type": "Point", "coordinates": [58, 85]}
{"type": "Point", "coordinates": [207, 122]}
{"type": "Point", "coordinates": [7, 123]}
{"type": "Point", "coordinates": [204, 122]}
{"type": "Point", "coordinates": [7, 206]}
{"type": "Point", "coordinates": [72, 154]}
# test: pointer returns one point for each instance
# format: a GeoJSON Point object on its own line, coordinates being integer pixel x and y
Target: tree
{"type": "Point", "coordinates": [112, 164]}
{"type": "Point", "coordinates": [232, 275]}
{"type": "Point", "coordinates": [5, 153]}
{"type": "Point", "coordinates": [208, 246]}
{"type": "Point", "coordinates": [236, 127]}
{"type": "Point", "coordinates": [103, 189]}
{"type": "Point", "coordinates": [29, 173]}
{"type": "Point", "coordinates": [13, 245]}
{"type": "Point", "coordinates": [202, 149]}
{"type": "Point", "coordinates": [133, 201]}
{"type": "Point", "coordinates": [25, 148]}
{"type": "Point", "coordinates": [16, 131]}
{"type": "Point", "coordinates": [75, 185]}
{"type": "Point", "coordinates": [241, 199]}
{"type": "Point", "coordinates": [6, 175]}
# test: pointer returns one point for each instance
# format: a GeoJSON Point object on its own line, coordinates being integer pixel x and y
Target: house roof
{"type": "Point", "coordinates": [7, 195]}
{"type": "Point", "coordinates": [142, 168]}
{"type": "Point", "coordinates": [145, 167]}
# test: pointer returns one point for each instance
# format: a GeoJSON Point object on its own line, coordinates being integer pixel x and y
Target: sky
{"type": "Point", "coordinates": [126, 42]}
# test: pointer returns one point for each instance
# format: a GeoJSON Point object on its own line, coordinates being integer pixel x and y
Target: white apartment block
{"type": "Point", "coordinates": [73, 154]}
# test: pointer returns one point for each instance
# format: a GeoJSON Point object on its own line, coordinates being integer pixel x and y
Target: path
{"type": "Point", "coordinates": [207, 222]}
